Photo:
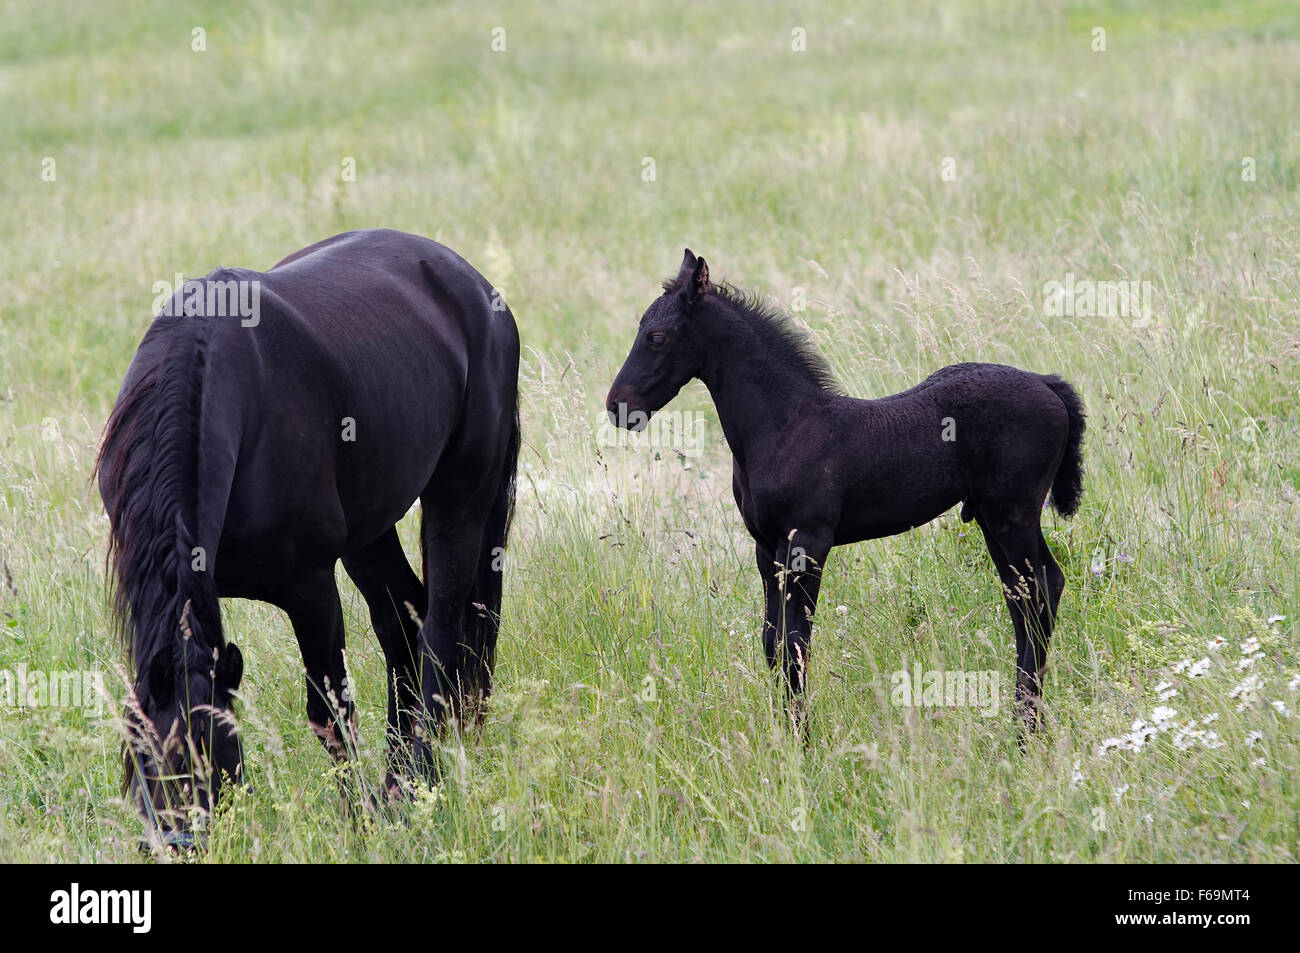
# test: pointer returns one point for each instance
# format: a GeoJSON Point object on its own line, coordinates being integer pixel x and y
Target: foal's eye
{"type": "Point", "coordinates": [658, 338]}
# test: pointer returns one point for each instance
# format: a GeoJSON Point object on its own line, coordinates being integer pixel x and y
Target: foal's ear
{"type": "Point", "coordinates": [695, 271]}
{"type": "Point", "coordinates": [230, 667]}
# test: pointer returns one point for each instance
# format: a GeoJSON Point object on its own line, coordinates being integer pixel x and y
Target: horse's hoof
{"type": "Point", "coordinates": [181, 840]}
{"type": "Point", "coordinates": [396, 791]}
{"type": "Point", "coordinates": [178, 842]}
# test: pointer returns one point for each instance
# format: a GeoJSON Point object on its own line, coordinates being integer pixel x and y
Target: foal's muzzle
{"type": "Point", "coordinates": [624, 412]}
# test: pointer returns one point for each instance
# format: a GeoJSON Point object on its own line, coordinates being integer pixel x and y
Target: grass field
{"type": "Point", "coordinates": [916, 174]}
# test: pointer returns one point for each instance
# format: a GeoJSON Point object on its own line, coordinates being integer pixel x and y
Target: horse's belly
{"type": "Point", "coordinates": [892, 518]}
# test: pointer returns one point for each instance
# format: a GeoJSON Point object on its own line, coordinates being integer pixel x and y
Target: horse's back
{"type": "Point", "coordinates": [965, 432]}
{"type": "Point", "coordinates": [334, 407]}
{"type": "Point", "coordinates": [970, 374]}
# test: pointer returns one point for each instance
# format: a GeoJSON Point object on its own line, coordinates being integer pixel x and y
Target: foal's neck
{"type": "Point", "coordinates": [755, 375]}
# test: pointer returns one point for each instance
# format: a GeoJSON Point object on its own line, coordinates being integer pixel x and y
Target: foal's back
{"type": "Point", "coordinates": [976, 434]}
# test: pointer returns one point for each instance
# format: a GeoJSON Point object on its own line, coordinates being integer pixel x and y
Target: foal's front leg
{"type": "Point", "coordinates": [798, 579]}
{"type": "Point", "coordinates": [765, 556]}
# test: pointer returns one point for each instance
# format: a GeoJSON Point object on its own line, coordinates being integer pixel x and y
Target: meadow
{"type": "Point", "coordinates": [907, 180]}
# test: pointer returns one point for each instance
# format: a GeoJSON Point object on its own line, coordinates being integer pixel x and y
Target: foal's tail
{"type": "Point", "coordinates": [1067, 488]}
{"type": "Point", "coordinates": [483, 614]}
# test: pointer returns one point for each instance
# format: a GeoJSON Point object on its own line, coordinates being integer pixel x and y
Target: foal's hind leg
{"type": "Point", "coordinates": [312, 601]}
{"type": "Point", "coordinates": [1055, 583]}
{"type": "Point", "coordinates": [392, 592]}
{"type": "Point", "coordinates": [1027, 588]}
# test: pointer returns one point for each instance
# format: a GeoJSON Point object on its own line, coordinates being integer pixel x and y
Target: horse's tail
{"type": "Point", "coordinates": [483, 614]}
{"type": "Point", "coordinates": [165, 599]}
{"type": "Point", "coordinates": [1067, 488]}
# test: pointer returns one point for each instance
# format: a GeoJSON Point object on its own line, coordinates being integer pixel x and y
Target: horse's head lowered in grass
{"type": "Point", "coordinates": [187, 745]}
{"type": "Point", "coordinates": [668, 351]}
{"type": "Point", "coordinates": [181, 742]}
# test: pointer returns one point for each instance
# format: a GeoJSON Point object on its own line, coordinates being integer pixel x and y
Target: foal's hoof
{"type": "Point", "coordinates": [1029, 716]}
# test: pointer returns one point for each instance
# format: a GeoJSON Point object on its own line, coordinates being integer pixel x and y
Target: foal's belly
{"type": "Point", "coordinates": [875, 521]}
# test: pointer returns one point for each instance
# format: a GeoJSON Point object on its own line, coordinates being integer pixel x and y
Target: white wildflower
{"type": "Point", "coordinates": [1246, 688]}
{"type": "Point", "coordinates": [1187, 735]}
{"type": "Point", "coordinates": [1163, 716]}
{"type": "Point", "coordinates": [1142, 733]}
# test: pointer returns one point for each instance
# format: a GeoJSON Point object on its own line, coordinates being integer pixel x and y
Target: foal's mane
{"type": "Point", "coordinates": [777, 331]}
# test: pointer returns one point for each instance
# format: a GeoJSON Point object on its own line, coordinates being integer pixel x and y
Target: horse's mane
{"type": "Point", "coordinates": [777, 331]}
{"type": "Point", "coordinates": [147, 466]}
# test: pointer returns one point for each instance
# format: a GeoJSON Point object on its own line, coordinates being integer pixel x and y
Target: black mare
{"type": "Point", "coordinates": [274, 422]}
{"type": "Point", "coordinates": [814, 468]}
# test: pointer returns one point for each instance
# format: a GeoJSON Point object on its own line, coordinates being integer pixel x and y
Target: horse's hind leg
{"type": "Point", "coordinates": [312, 601]}
{"type": "Point", "coordinates": [452, 540]}
{"type": "Point", "coordinates": [1028, 590]}
{"type": "Point", "coordinates": [1055, 582]}
{"type": "Point", "coordinates": [393, 592]}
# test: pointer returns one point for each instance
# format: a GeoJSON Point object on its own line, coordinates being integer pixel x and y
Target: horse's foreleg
{"type": "Point", "coordinates": [770, 581]}
{"type": "Point", "coordinates": [312, 601]}
{"type": "Point", "coordinates": [799, 577]}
